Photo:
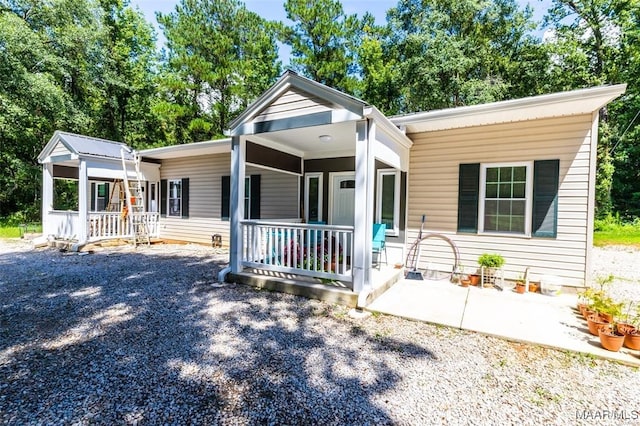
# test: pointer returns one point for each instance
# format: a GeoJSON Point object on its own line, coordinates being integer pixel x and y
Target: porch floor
{"type": "Point", "coordinates": [530, 318]}
{"type": "Point", "coordinates": [314, 288]}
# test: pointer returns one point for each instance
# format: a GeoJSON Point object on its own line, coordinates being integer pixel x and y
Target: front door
{"type": "Point", "coordinates": [343, 195]}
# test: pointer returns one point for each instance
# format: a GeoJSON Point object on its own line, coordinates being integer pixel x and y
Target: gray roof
{"type": "Point", "coordinates": [87, 145]}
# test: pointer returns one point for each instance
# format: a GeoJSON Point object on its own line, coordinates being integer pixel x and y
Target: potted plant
{"type": "Point", "coordinates": [631, 331]}
{"type": "Point", "coordinates": [595, 322]}
{"type": "Point", "coordinates": [474, 279]}
{"type": "Point", "coordinates": [464, 279]}
{"type": "Point", "coordinates": [610, 338]}
{"type": "Point", "coordinates": [490, 262]}
{"type": "Point", "coordinates": [521, 287]}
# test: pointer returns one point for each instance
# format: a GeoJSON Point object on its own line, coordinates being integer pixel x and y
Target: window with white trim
{"type": "Point", "coordinates": [313, 197]}
{"type": "Point", "coordinates": [388, 205]}
{"type": "Point", "coordinates": [101, 197]}
{"type": "Point", "coordinates": [175, 198]}
{"type": "Point", "coordinates": [247, 198]}
{"type": "Point", "coordinates": [506, 192]}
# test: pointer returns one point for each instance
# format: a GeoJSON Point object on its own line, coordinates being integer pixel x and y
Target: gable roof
{"type": "Point", "coordinates": [291, 80]}
{"type": "Point", "coordinates": [574, 102]}
{"type": "Point", "coordinates": [81, 146]}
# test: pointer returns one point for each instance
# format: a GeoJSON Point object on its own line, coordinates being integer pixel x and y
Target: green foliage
{"type": "Point", "coordinates": [219, 58]}
{"type": "Point", "coordinates": [612, 230]}
{"type": "Point", "coordinates": [324, 41]}
{"type": "Point", "coordinates": [489, 260]}
{"type": "Point", "coordinates": [462, 53]}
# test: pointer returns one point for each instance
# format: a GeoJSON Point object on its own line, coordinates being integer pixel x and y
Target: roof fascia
{"type": "Point", "coordinates": [606, 93]}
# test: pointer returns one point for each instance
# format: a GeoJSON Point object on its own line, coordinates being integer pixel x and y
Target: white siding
{"type": "Point", "coordinates": [291, 104]}
{"type": "Point", "coordinates": [433, 190]}
{"type": "Point", "coordinates": [279, 197]}
{"type": "Point", "coordinates": [59, 149]}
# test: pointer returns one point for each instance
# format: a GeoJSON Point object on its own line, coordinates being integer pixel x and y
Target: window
{"type": "Point", "coordinates": [515, 198]}
{"type": "Point", "coordinates": [313, 197]}
{"type": "Point", "coordinates": [247, 198]}
{"type": "Point", "coordinates": [175, 198]}
{"type": "Point", "coordinates": [153, 202]}
{"type": "Point", "coordinates": [99, 203]}
{"type": "Point", "coordinates": [251, 197]}
{"type": "Point", "coordinates": [505, 198]}
{"type": "Point", "coordinates": [388, 206]}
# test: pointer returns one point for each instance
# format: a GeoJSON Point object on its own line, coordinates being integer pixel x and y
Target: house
{"type": "Point", "coordinates": [307, 170]}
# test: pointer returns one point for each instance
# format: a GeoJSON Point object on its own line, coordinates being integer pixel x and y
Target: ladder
{"type": "Point", "coordinates": [135, 201]}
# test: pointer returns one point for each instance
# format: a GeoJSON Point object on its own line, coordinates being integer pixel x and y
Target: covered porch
{"type": "Point", "coordinates": [83, 190]}
{"type": "Point", "coordinates": [349, 163]}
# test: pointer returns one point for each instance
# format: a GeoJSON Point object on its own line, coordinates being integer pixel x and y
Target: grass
{"type": "Point", "coordinates": [617, 237]}
{"type": "Point", "coordinates": [613, 231]}
{"type": "Point", "coordinates": [9, 231]}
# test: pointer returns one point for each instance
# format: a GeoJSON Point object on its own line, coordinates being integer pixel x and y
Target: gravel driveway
{"type": "Point", "coordinates": [147, 337]}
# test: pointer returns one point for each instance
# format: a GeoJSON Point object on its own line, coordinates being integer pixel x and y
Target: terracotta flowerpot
{"type": "Point", "coordinates": [581, 307]}
{"type": "Point", "coordinates": [632, 340]}
{"type": "Point", "coordinates": [606, 317]}
{"type": "Point", "coordinates": [474, 279]}
{"type": "Point", "coordinates": [520, 288]}
{"type": "Point", "coordinates": [587, 312]}
{"type": "Point", "coordinates": [594, 322]}
{"type": "Point", "coordinates": [465, 283]}
{"type": "Point", "coordinates": [610, 339]}
{"type": "Point", "coordinates": [625, 328]}
{"type": "Point", "coordinates": [533, 288]}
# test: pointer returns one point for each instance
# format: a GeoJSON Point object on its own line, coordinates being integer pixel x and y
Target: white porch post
{"type": "Point", "coordinates": [236, 203]}
{"type": "Point", "coordinates": [363, 206]}
{"type": "Point", "coordinates": [83, 201]}
{"type": "Point", "coordinates": [47, 197]}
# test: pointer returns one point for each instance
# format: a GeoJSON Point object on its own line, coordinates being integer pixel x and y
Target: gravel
{"type": "Point", "coordinates": [147, 336]}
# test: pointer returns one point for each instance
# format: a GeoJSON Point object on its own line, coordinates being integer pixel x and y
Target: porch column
{"type": "Point", "coordinates": [83, 201]}
{"type": "Point", "coordinates": [47, 197]}
{"type": "Point", "coordinates": [363, 206]}
{"type": "Point", "coordinates": [236, 203]}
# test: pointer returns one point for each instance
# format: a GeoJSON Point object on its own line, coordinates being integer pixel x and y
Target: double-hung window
{"type": "Point", "coordinates": [175, 198]}
{"type": "Point", "coordinates": [509, 198]}
{"type": "Point", "coordinates": [505, 195]}
{"type": "Point", "coordinates": [388, 206]}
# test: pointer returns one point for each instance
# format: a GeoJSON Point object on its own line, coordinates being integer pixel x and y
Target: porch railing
{"type": "Point", "coordinates": [103, 225]}
{"type": "Point", "coordinates": [320, 251]}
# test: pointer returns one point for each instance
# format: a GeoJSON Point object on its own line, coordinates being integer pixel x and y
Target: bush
{"type": "Point", "coordinates": [491, 260]}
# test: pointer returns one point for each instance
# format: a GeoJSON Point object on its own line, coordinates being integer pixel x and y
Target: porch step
{"type": "Point", "coordinates": [318, 291]}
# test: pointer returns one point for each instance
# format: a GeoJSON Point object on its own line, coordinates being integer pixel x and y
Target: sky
{"type": "Point", "coordinates": [274, 10]}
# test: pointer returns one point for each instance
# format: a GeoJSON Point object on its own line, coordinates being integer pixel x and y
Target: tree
{"type": "Point", "coordinates": [462, 53]}
{"type": "Point", "coordinates": [42, 88]}
{"type": "Point", "coordinates": [586, 49]}
{"type": "Point", "coordinates": [324, 42]}
{"type": "Point", "coordinates": [219, 57]}
{"type": "Point", "coordinates": [125, 82]}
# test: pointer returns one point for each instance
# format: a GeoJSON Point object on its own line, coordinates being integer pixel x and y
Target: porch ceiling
{"type": "Point", "coordinates": [304, 142]}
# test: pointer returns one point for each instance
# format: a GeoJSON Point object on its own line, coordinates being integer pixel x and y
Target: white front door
{"type": "Point", "coordinates": [342, 197]}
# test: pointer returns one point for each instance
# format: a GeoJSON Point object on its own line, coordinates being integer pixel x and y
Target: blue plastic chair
{"type": "Point", "coordinates": [314, 237]}
{"type": "Point", "coordinates": [379, 241]}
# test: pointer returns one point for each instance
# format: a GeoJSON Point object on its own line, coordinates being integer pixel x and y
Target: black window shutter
{"type": "Point", "coordinates": [185, 197]}
{"type": "Point", "coordinates": [163, 197]}
{"type": "Point", "coordinates": [468, 193]}
{"type": "Point", "coordinates": [546, 175]}
{"type": "Point", "coordinates": [93, 196]}
{"type": "Point", "coordinates": [226, 197]}
{"type": "Point", "coordinates": [107, 196]}
{"type": "Point", "coordinates": [255, 197]}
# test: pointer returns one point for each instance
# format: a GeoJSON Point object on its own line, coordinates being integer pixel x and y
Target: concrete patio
{"type": "Point", "coordinates": [550, 321]}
